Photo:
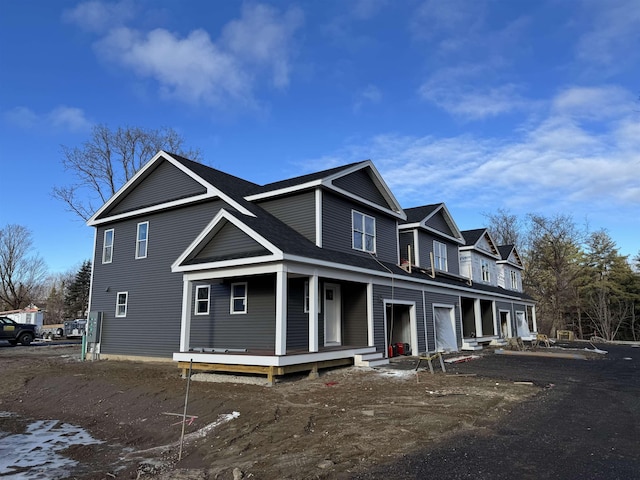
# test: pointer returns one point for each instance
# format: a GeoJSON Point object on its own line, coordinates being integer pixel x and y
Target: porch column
{"type": "Point", "coordinates": [534, 319]}
{"type": "Point", "coordinates": [281, 311]}
{"type": "Point", "coordinates": [477, 316]}
{"type": "Point", "coordinates": [370, 333]}
{"type": "Point", "coordinates": [185, 322]}
{"type": "Point", "coordinates": [313, 312]}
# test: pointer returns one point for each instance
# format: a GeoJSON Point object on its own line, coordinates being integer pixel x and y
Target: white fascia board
{"type": "Point", "coordinates": [212, 192]}
{"type": "Point", "coordinates": [240, 270]}
{"type": "Point", "coordinates": [220, 269]}
{"type": "Point", "coordinates": [401, 215]}
{"type": "Point", "coordinates": [409, 226]}
{"type": "Point", "coordinates": [204, 236]}
{"type": "Point", "coordinates": [92, 221]}
{"type": "Point", "coordinates": [443, 235]}
{"type": "Point", "coordinates": [283, 191]}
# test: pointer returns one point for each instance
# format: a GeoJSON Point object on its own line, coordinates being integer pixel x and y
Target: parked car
{"type": "Point", "coordinates": [15, 332]}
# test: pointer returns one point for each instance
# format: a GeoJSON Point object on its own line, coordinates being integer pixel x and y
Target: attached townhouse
{"type": "Point", "coordinates": [200, 266]}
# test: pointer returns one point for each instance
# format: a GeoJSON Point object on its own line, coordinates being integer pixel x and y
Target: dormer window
{"type": "Point", "coordinates": [514, 280]}
{"type": "Point", "coordinates": [440, 256]}
{"type": "Point", "coordinates": [486, 273]}
{"type": "Point", "coordinates": [364, 232]}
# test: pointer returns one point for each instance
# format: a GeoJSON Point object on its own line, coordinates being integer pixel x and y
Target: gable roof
{"type": "Point", "coordinates": [509, 254]}
{"type": "Point", "coordinates": [332, 179]}
{"type": "Point", "coordinates": [214, 183]}
{"type": "Point", "coordinates": [427, 216]}
{"type": "Point", "coordinates": [477, 239]}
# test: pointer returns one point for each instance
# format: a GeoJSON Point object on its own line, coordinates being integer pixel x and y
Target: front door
{"type": "Point", "coordinates": [332, 314]}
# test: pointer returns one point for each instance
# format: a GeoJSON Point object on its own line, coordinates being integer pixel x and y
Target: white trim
{"type": "Point", "coordinates": [104, 244]}
{"type": "Point", "coordinates": [211, 192]}
{"type": "Point", "coordinates": [314, 284]}
{"type": "Point", "coordinates": [93, 266]}
{"type": "Point", "coordinates": [284, 191]}
{"type": "Point", "coordinates": [185, 323]}
{"type": "Point", "coordinates": [138, 241]}
{"type": "Point", "coordinates": [338, 301]}
{"type": "Point", "coordinates": [370, 318]}
{"type": "Point", "coordinates": [118, 304]}
{"type": "Point", "coordinates": [209, 233]}
{"type": "Point", "coordinates": [413, 323]}
{"type": "Point", "coordinates": [270, 360]}
{"type": "Point", "coordinates": [281, 311]}
{"type": "Point", "coordinates": [198, 300]}
{"type": "Point", "coordinates": [233, 298]}
{"type": "Point", "coordinates": [363, 232]}
{"type": "Point", "coordinates": [318, 217]}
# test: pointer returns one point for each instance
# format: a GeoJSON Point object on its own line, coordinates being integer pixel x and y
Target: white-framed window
{"type": "Point", "coordinates": [486, 272]}
{"type": "Point", "coordinates": [202, 299]}
{"type": "Point", "coordinates": [514, 280]}
{"type": "Point", "coordinates": [122, 299]}
{"type": "Point", "coordinates": [239, 297]}
{"type": "Point", "coordinates": [142, 240]}
{"type": "Point", "coordinates": [306, 298]}
{"type": "Point", "coordinates": [107, 246]}
{"type": "Point", "coordinates": [364, 232]}
{"type": "Point", "coordinates": [440, 256]}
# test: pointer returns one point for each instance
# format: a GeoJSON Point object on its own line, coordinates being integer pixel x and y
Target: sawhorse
{"type": "Point", "coordinates": [429, 359]}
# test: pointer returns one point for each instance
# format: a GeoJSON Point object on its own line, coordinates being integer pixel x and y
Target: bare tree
{"type": "Point", "coordinates": [108, 160]}
{"type": "Point", "coordinates": [505, 228]}
{"type": "Point", "coordinates": [22, 273]}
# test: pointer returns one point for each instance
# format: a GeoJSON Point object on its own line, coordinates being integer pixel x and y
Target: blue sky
{"type": "Point", "coordinates": [530, 106]}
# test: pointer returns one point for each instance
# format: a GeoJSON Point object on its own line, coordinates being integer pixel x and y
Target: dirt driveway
{"type": "Point", "coordinates": [348, 423]}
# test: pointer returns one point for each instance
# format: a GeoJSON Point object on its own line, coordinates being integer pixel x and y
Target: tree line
{"type": "Point", "coordinates": [578, 277]}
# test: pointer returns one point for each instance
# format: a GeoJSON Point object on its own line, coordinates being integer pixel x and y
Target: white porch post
{"type": "Point", "coordinates": [534, 319]}
{"type": "Point", "coordinates": [185, 322]}
{"type": "Point", "coordinates": [313, 312]}
{"type": "Point", "coordinates": [477, 316]}
{"type": "Point", "coordinates": [281, 311]}
{"type": "Point", "coordinates": [370, 335]}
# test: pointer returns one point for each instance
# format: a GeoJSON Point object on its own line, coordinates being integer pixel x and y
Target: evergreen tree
{"type": "Point", "coordinates": [77, 292]}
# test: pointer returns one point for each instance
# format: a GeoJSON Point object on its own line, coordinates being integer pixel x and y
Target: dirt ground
{"type": "Point", "coordinates": [346, 422]}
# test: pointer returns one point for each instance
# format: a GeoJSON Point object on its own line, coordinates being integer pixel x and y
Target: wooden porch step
{"type": "Point", "coordinates": [498, 342]}
{"type": "Point", "coordinates": [469, 344]}
{"type": "Point", "coordinates": [370, 360]}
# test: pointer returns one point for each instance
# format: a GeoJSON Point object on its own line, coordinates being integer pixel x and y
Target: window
{"type": "Point", "coordinates": [514, 280]}
{"type": "Point", "coordinates": [440, 256]}
{"type": "Point", "coordinates": [107, 246]}
{"type": "Point", "coordinates": [142, 240]}
{"type": "Point", "coordinates": [121, 304]}
{"type": "Point", "coordinates": [364, 232]}
{"type": "Point", "coordinates": [239, 297]}
{"type": "Point", "coordinates": [486, 274]}
{"type": "Point", "coordinates": [202, 299]}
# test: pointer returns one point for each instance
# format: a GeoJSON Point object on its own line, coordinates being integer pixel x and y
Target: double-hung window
{"type": "Point", "coordinates": [486, 273]}
{"type": "Point", "coordinates": [514, 280]}
{"type": "Point", "coordinates": [440, 256]}
{"type": "Point", "coordinates": [122, 299]}
{"type": "Point", "coordinates": [202, 299]}
{"type": "Point", "coordinates": [364, 232]}
{"type": "Point", "coordinates": [239, 297]}
{"type": "Point", "coordinates": [107, 246]}
{"type": "Point", "coordinates": [142, 240]}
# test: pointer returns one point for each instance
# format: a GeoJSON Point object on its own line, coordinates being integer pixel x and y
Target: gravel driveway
{"type": "Point", "coordinates": [584, 425]}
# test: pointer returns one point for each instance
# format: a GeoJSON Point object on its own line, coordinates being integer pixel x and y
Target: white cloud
{"type": "Point", "coordinates": [613, 39]}
{"type": "Point", "coordinates": [97, 16]}
{"type": "Point", "coordinates": [60, 118]}
{"type": "Point", "coordinates": [370, 94]}
{"type": "Point", "coordinates": [558, 164]}
{"type": "Point", "coordinates": [196, 69]}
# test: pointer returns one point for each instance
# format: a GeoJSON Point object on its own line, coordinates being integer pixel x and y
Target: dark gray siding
{"type": "Point", "coordinates": [164, 184]}
{"type": "Point", "coordinates": [438, 222]}
{"type": "Point", "coordinates": [297, 211]}
{"type": "Point", "coordinates": [354, 314]}
{"type": "Point", "coordinates": [337, 228]}
{"type": "Point", "coordinates": [426, 248]}
{"type": "Point", "coordinates": [254, 330]}
{"type": "Point", "coordinates": [361, 184]}
{"type": "Point", "coordinates": [297, 319]}
{"type": "Point", "coordinates": [381, 293]}
{"type": "Point", "coordinates": [152, 324]}
{"type": "Point", "coordinates": [230, 241]}
{"type": "Point", "coordinates": [429, 299]}
{"type": "Point", "coordinates": [406, 240]}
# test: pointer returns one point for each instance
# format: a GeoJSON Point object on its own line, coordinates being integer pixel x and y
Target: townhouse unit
{"type": "Point", "coordinates": [201, 266]}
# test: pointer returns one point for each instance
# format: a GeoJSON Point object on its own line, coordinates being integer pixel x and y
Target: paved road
{"type": "Point", "coordinates": [584, 425]}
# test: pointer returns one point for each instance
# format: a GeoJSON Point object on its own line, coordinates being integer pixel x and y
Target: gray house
{"type": "Point", "coordinates": [197, 265]}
